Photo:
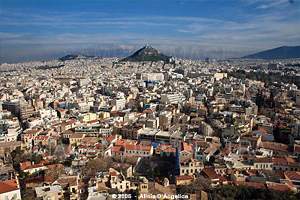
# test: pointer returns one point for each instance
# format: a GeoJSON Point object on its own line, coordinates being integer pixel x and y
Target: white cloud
{"type": "Point", "coordinates": [273, 4]}
{"type": "Point", "coordinates": [5, 35]}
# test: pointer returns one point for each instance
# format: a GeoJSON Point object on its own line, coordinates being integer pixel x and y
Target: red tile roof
{"type": "Point", "coordinates": [113, 173]}
{"type": "Point", "coordinates": [274, 146]}
{"type": "Point", "coordinates": [41, 137]}
{"type": "Point", "coordinates": [169, 150]}
{"type": "Point", "coordinates": [184, 177]}
{"type": "Point", "coordinates": [33, 166]}
{"type": "Point", "coordinates": [253, 184]}
{"type": "Point", "coordinates": [23, 165]}
{"type": "Point", "coordinates": [280, 161]}
{"type": "Point", "coordinates": [263, 160]}
{"type": "Point", "coordinates": [110, 138]}
{"type": "Point", "coordinates": [292, 175]}
{"type": "Point", "coordinates": [187, 147]}
{"type": "Point", "coordinates": [279, 187]}
{"type": "Point", "coordinates": [210, 173]}
{"type": "Point", "coordinates": [137, 147]}
{"type": "Point", "coordinates": [262, 131]}
{"type": "Point", "coordinates": [9, 185]}
{"type": "Point", "coordinates": [117, 149]}
{"type": "Point", "coordinates": [38, 179]}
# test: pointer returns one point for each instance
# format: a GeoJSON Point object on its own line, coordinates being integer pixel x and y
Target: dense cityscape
{"type": "Point", "coordinates": [149, 100]}
{"type": "Point", "coordinates": [84, 127]}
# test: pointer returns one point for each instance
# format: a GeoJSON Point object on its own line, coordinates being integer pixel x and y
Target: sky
{"type": "Point", "coordinates": [192, 29]}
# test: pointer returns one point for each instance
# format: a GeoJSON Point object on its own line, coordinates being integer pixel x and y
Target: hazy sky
{"type": "Point", "coordinates": [45, 30]}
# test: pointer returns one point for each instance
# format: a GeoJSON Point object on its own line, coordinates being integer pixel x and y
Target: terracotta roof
{"type": "Point", "coordinates": [68, 132]}
{"type": "Point", "coordinates": [9, 185]}
{"type": "Point", "coordinates": [94, 121]}
{"type": "Point", "coordinates": [200, 144]}
{"type": "Point", "coordinates": [280, 173]}
{"type": "Point", "coordinates": [252, 172]}
{"type": "Point", "coordinates": [262, 130]}
{"type": "Point", "coordinates": [253, 184]}
{"type": "Point", "coordinates": [110, 138]}
{"type": "Point", "coordinates": [263, 160]}
{"type": "Point", "coordinates": [279, 187]}
{"type": "Point", "coordinates": [210, 173]}
{"type": "Point", "coordinates": [113, 173]}
{"type": "Point", "coordinates": [274, 146]}
{"type": "Point", "coordinates": [280, 161]}
{"type": "Point", "coordinates": [292, 175]}
{"type": "Point", "coordinates": [71, 181]}
{"type": "Point", "coordinates": [38, 179]}
{"type": "Point", "coordinates": [184, 177]}
{"type": "Point", "coordinates": [77, 135]}
{"type": "Point", "coordinates": [169, 150]}
{"type": "Point", "coordinates": [90, 140]}
{"type": "Point", "coordinates": [117, 149]}
{"type": "Point", "coordinates": [41, 137]}
{"type": "Point", "coordinates": [137, 147]}
{"type": "Point", "coordinates": [187, 147]}
{"type": "Point", "coordinates": [55, 137]}
{"type": "Point", "coordinates": [45, 162]}
{"type": "Point", "coordinates": [23, 165]}
{"type": "Point", "coordinates": [33, 166]}
{"type": "Point", "coordinates": [55, 166]}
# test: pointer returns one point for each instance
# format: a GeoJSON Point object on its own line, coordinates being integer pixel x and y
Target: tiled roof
{"type": "Point", "coordinates": [110, 138]}
{"type": "Point", "coordinates": [187, 147]}
{"type": "Point", "coordinates": [72, 181]}
{"type": "Point", "coordinates": [262, 130]}
{"type": "Point", "coordinates": [9, 185]}
{"type": "Point", "coordinates": [210, 173]}
{"type": "Point", "coordinates": [33, 166]}
{"type": "Point", "coordinates": [184, 177]}
{"type": "Point", "coordinates": [263, 160]}
{"type": "Point", "coordinates": [138, 147]}
{"type": "Point", "coordinates": [280, 161]}
{"type": "Point", "coordinates": [117, 149]}
{"type": "Point", "coordinates": [292, 175]}
{"type": "Point", "coordinates": [274, 146]}
{"type": "Point", "coordinates": [279, 187]}
{"type": "Point", "coordinates": [77, 135]}
{"type": "Point", "coordinates": [253, 184]}
{"type": "Point", "coordinates": [23, 165]}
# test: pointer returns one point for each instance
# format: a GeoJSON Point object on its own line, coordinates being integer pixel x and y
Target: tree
{"type": "Point", "coordinates": [93, 166]}
{"type": "Point", "coordinates": [36, 158]}
{"type": "Point", "coordinates": [17, 156]}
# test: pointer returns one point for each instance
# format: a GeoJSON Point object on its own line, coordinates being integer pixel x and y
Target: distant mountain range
{"type": "Point", "coordinates": [76, 57]}
{"type": "Point", "coordinates": [283, 52]}
{"type": "Point", "coordinates": [147, 53]}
